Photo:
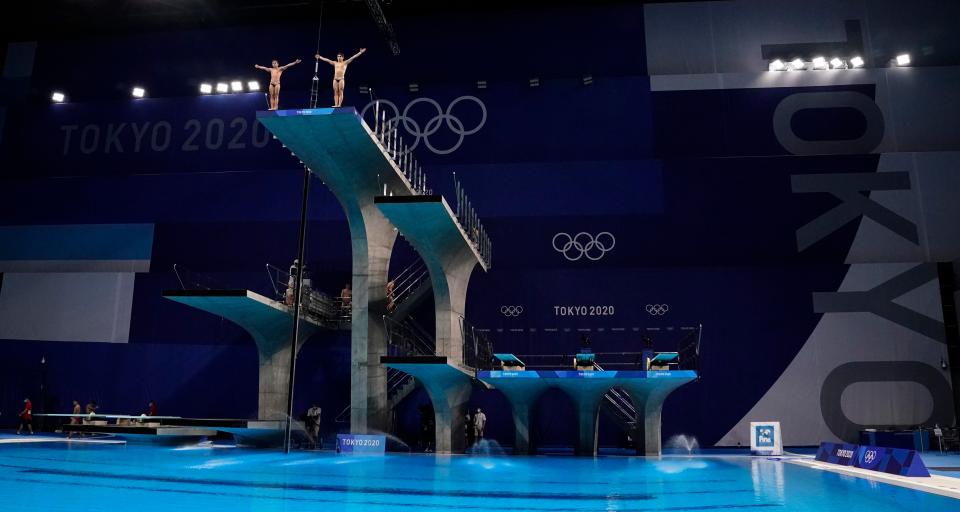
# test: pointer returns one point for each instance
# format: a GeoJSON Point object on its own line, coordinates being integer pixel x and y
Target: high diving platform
{"type": "Point", "coordinates": [270, 324]}
{"type": "Point", "coordinates": [356, 164]}
{"type": "Point", "coordinates": [647, 390]}
{"type": "Point", "coordinates": [450, 254]}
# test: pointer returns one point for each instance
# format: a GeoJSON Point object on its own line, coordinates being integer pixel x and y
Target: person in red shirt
{"type": "Point", "coordinates": [26, 416]}
{"type": "Point", "coordinates": [152, 408]}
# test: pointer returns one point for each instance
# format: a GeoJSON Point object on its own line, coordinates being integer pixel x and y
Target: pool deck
{"type": "Point", "coordinates": [937, 483]}
{"type": "Point", "coordinates": [11, 438]}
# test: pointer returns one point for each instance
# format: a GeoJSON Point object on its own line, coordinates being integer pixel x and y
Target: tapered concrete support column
{"type": "Point", "coordinates": [588, 416]}
{"type": "Point", "coordinates": [372, 238]}
{"type": "Point", "coordinates": [270, 324]}
{"type": "Point", "coordinates": [337, 146]}
{"type": "Point", "coordinates": [522, 393]}
{"type": "Point", "coordinates": [430, 226]}
{"type": "Point", "coordinates": [449, 388]}
{"type": "Point", "coordinates": [648, 397]}
{"type": "Point", "coordinates": [586, 395]}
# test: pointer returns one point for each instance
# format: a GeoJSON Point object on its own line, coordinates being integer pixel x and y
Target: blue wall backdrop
{"type": "Point", "coordinates": [796, 216]}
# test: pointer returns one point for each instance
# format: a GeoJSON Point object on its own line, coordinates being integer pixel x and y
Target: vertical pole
{"type": "Point", "coordinates": [301, 243]}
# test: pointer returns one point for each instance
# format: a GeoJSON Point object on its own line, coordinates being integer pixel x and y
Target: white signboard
{"type": "Point", "coordinates": [765, 438]}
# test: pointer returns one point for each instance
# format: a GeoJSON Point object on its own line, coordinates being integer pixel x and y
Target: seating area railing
{"type": "Point", "coordinates": [328, 311]}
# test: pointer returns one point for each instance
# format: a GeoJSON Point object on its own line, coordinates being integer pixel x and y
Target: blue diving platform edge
{"type": "Point", "coordinates": [307, 112]}
{"type": "Point", "coordinates": [586, 374]}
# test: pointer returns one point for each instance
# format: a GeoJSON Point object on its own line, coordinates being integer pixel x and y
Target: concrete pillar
{"type": "Point", "coordinates": [372, 238]}
{"type": "Point", "coordinates": [448, 387]}
{"type": "Point", "coordinates": [588, 409]}
{"type": "Point", "coordinates": [522, 399]}
{"type": "Point", "coordinates": [272, 394]}
{"type": "Point", "coordinates": [449, 405]}
{"type": "Point", "coordinates": [649, 404]}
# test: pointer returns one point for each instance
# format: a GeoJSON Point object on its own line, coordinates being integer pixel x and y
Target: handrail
{"type": "Point", "coordinates": [623, 404]}
{"type": "Point", "coordinates": [320, 307]}
{"type": "Point", "coordinates": [404, 336]}
{"type": "Point", "coordinates": [412, 284]}
{"type": "Point", "coordinates": [409, 270]}
{"type": "Point", "coordinates": [177, 273]}
{"type": "Point", "coordinates": [467, 218]}
{"type": "Point", "coordinates": [190, 280]}
{"type": "Point", "coordinates": [391, 142]}
{"type": "Point", "coordinates": [477, 352]}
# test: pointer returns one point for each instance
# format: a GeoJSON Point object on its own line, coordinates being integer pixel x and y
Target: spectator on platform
{"type": "Point", "coordinates": [76, 419]}
{"type": "Point", "coordinates": [313, 425]}
{"type": "Point", "coordinates": [91, 409]}
{"type": "Point", "coordinates": [391, 302]}
{"type": "Point", "coordinates": [26, 416]}
{"type": "Point", "coordinates": [292, 281]}
{"type": "Point", "coordinates": [346, 297]}
{"type": "Point", "coordinates": [479, 423]}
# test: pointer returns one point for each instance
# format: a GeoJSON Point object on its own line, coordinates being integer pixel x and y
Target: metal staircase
{"type": "Point", "coordinates": [404, 338]}
{"type": "Point", "coordinates": [410, 286]}
{"type": "Point", "coordinates": [616, 404]}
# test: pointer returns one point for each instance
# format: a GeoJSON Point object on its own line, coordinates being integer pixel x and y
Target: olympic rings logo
{"type": "Point", "coordinates": [511, 310]}
{"type": "Point", "coordinates": [657, 309]}
{"type": "Point", "coordinates": [412, 127]}
{"type": "Point", "coordinates": [869, 456]}
{"type": "Point", "coordinates": [583, 244]}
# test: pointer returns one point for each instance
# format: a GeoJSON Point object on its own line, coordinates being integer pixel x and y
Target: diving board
{"type": "Point", "coordinates": [270, 324]}
{"type": "Point", "coordinates": [647, 390]}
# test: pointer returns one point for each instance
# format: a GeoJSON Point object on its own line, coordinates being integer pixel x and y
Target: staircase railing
{"type": "Point", "coordinates": [407, 338]}
{"type": "Point", "coordinates": [406, 283]}
{"type": "Point", "coordinates": [688, 349]}
{"type": "Point", "coordinates": [619, 401]}
{"type": "Point", "coordinates": [477, 347]}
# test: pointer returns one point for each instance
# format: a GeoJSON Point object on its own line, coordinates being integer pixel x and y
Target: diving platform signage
{"type": "Point", "coordinates": [359, 443]}
{"type": "Point", "coordinates": [765, 438]}
{"type": "Point", "coordinates": [895, 461]}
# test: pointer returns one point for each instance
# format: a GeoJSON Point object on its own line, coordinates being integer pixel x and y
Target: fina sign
{"type": "Point", "coordinates": [765, 438]}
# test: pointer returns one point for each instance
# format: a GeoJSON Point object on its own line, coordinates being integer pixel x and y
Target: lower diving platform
{"type": "Point", "coordinates": [647, 391]}
{"type": "Point", "coordinates": [449, 386]}
{"type": "Point", "coordinates": [270, 324]}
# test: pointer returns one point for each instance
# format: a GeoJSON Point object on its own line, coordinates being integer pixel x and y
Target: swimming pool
{"type": "Point", "coordinates": [80, 477]}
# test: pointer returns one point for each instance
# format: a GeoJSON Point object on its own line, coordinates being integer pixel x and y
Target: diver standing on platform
{"type": "Point", "coordinates": [339, 74]}
{"type": "Point", "coordinates": [275, 71]}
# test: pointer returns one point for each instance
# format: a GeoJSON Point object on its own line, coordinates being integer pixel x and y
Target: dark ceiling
{"type": "Point", "coordinates": [69, 19]}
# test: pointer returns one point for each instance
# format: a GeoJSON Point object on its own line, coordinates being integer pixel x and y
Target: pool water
{"type": "Point", "coordinates": [84, 477]}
